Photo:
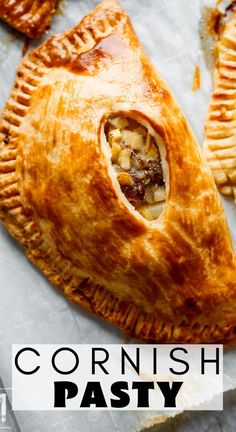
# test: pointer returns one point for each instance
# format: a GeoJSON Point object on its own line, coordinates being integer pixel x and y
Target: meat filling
{"type": "Point", "coordinates": [137, 162]}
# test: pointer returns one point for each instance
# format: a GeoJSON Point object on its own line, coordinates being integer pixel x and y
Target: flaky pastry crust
{"type": "Point", "coordinates": [172, 280]}
{"type": "Point", "coordinates": [32, 17]}
{"type": "Point", "coordinates": [220, 142]}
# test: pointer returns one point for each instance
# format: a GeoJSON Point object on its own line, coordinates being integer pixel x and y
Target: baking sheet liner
{"type": "Point", "coordinates": [31, 310]}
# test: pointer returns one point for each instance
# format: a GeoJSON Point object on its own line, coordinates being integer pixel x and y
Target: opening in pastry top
{"type": "Point", "coordinates": [137, 162]}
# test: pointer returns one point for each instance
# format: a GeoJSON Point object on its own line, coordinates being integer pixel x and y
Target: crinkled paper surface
{"type": "Point", "coordinates": [31, 310]}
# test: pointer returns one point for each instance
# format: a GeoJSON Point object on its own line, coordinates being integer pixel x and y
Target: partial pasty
{"type": "Point", "coordinates": [220, 143]}
{"type": "Point", "coordinates": [104, 185]}
{"type": "Point", "coordinates": [32, 17]}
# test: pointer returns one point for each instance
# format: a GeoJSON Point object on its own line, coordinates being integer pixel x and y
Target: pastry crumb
{"type": "Point", "coordinates": [196, 79]}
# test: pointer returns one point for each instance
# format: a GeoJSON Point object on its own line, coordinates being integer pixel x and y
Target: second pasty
{"type": "Point", "coordinates": [32, 17]}
{"type": "Point", "coordinates": [220, 142]}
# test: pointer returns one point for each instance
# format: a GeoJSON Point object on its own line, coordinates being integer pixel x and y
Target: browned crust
{"type": "Point", "coordinates": [22, 223]}
{"type": "Point", "coordinates": [220, 140]}
{"type": "Point", "coordinates": [32, 17]}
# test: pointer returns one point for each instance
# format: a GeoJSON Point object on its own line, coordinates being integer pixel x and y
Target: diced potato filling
{"type": "Point", "coordinates": [136, 159]}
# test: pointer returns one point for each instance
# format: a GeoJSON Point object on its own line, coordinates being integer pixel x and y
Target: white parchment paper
{"type": "Point", "coordinates": [31, 310]}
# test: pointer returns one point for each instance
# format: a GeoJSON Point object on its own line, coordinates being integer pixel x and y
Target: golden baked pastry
{"type": "Point", "coordinates": [220, 142]}
{"type": "Point", "coordinates": [32, 17]}
{"type": "Point", "coordinates": [104, 185]}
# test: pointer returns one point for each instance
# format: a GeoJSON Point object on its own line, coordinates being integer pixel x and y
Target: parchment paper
{"type": "Point", "coordinates": [31, 310]}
